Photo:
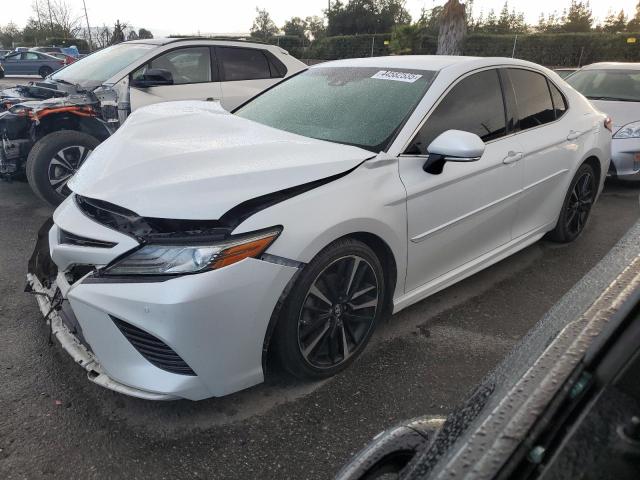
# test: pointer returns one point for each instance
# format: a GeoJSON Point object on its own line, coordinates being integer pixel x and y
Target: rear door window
{"type": "Point", "coordinates": [242, 64]}
{"type": "Point", "coordinates": [473, 105]}
{"type": "Point", "coordinates": [533, 98]}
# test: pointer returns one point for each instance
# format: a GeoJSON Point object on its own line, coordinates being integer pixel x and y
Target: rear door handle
{"type": "Point", "coordinates": [512, 157]}
{"type": "Point", "coordinates": [573, 134]}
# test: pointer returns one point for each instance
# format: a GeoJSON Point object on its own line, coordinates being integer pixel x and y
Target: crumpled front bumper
{"type": "Point", "coordinates": [75, 347]}
{"type": "Point", "coordinates": [216, 321]}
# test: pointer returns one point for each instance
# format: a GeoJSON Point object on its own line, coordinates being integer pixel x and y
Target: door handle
{"type": "Point", "coordinates": [512, 157]}
{"type": "Point", "coordinates": [573, 134]}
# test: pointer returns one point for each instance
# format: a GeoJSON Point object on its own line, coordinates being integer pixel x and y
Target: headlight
{"type": "Point", "coordinates": [155, 259]}
{"type": "Point", "coordinates": [630, 130]}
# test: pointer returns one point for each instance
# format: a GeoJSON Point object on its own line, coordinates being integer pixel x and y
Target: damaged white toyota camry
{"type": "Point", "coordinates": [197, 241]}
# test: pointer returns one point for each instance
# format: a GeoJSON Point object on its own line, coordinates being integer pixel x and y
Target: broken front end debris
{"type": "Point", "coordinates": [28, 113]}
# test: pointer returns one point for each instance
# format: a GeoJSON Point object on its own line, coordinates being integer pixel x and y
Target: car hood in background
{"type": "Point", "coordinates": [194, 160]}
{"type": "Point", "coordinates": [620, 112]}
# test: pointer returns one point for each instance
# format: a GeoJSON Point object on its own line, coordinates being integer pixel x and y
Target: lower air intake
{"type": "Point", "coordinates": [153, 349]}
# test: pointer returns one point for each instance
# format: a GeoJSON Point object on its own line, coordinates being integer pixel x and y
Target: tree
{"type": "Point", "coordinates": [9, 34]}
{"type": "Point", "coordinates": [366, 16]}
{"type": "Point", "coordinates": [552, 24]}
{"type": "Point", "coordinates": [143, 33]}
{"type": "Point", "coordinates": [296, 27]}
{"type": "Point", "coordinates": [615, 23]}
{"type": "Point", "coordinates": [54, 18]}
{"type": "Point", "coordinates": [579, 18]}
{"type": "Point", "coordinates": [315, 27]}
{"type": "Point", "coordinates": [263, 26]}
{"type": "Point", "coordinates": [132, 35]}
{"type": "Point", "coordinates": [430, 20]}
{"type": "Point", "coordinates": [118, 35]}
{"type": "Point", "coordinates": [453, 28]}
{"type": "Point", "coordinates": [634, 23]}
{"type": "Point", "coordinates": [405, 39]}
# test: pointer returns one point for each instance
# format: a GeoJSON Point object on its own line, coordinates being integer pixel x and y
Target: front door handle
{"type": "Point", "coordinates": [573, 134]}
{"type": "Point", "coordinates": [512, 157]}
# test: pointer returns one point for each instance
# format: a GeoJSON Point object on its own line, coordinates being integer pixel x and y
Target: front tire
{"type": "Point", "coordinates": [54, 159]}
{"type": "Point", "coordinates": [331, 311]}
{"type": "Point", "coordinates": [576, 207]}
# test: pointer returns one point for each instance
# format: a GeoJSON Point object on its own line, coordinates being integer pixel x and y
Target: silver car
{"type": "Point", "coordinates": [30, 63]}
{"type": "Point", "coordinates": [614, 88]}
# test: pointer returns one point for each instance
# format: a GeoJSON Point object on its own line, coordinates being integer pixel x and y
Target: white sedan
{"type": "Point", "coordinates": [196, 241]}
{"type": "Point", "coordinates": [614, 88]}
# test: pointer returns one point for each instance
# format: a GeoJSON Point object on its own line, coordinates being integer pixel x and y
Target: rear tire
{"type": "Point", "coordinates": [576, 207]}
{"type": "Point", "coordinates": [332, 310]}
{"type": "Point", "coordinates": [45, 71]}
{"type": "Point", "coordinates": [54, 159]}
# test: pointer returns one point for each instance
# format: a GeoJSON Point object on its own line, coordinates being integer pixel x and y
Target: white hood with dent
{"type": "Point", "coordinates": [194, 160]}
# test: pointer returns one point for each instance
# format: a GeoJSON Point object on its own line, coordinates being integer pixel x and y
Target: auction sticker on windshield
{"type": "Point", "coordinates": [397, 76]}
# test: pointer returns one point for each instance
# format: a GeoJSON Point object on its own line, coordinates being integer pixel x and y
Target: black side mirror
{"type": "Point", "coordinates": [153, 77]}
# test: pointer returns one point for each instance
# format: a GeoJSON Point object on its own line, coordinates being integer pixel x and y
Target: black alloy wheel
{"type": "Point", "coordinates": [577, 206]}
{"type": "Point", "coordinates": [326, 319]}
{"type": "Point", "coordinates": [338, 312]}
{"type": "Point", "coordinates": [580, 202]}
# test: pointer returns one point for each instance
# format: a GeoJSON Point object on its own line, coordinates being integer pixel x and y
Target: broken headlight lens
{"type": "Point", "coordinates": [155, 259]}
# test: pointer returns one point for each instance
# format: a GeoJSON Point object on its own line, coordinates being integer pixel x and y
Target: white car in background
{"type": "Point", "coordinates": [614, 88]}
{"type": "Point", "coordinates": [198, 240]}
{"type": "Point", "coordinates": [49, 128]}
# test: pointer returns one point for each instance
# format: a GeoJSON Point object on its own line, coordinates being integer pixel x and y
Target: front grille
{"type": "Point", "coordinates": [153, 349]}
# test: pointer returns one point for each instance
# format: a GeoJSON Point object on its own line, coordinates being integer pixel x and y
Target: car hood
{"type": "Point", "coordinates": [620, 112]}
{"type": "Point", "coordinates": [194, 160]}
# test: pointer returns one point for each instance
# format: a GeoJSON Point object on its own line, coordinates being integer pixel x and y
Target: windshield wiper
{"type": "Point", "coordinates": [613, 99]}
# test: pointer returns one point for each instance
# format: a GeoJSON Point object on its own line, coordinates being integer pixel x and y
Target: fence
{"type": "Point", "coordinates": [561, 49]}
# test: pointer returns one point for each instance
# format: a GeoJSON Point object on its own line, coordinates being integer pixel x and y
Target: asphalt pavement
{"type": "Point", "coordinates": [425, 360]}
{"type": "Point", "coordinates": [12, 80]}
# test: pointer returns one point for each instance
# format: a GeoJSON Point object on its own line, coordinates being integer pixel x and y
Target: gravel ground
{"type": "Point", "coordinates": [425, 360]}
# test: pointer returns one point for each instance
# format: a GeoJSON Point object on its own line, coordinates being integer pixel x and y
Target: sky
{"type": "Point", "coordinates": [236, 16]}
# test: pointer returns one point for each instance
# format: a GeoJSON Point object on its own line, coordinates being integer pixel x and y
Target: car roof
{"type": "Point", "coordinates": [426, 62]}
{"type": "Point", "coordinates": [612, 66]}
{"type": "Point", "coordinates": [213, 40]}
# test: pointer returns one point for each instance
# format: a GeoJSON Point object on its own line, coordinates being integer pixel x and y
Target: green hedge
{"type": "Point", "coordinates": [332, 48]}
{"type": "Point", "coordinates": [560, 49]}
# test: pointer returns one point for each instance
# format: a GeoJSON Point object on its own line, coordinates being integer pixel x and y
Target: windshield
{"type": "Point", "coordinates": [620, 85]}
{"type": "Point", "coordinates": [355, 106]}
{"type": "Point", "coordinates": [102, 65]}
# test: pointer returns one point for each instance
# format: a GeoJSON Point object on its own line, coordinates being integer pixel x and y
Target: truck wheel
{"type": "Point", "coordinates": [45, 71]}
{"type": "Point", "coordinates": [54, 159]}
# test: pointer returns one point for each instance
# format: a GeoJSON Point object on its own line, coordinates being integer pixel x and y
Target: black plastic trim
{"type": "Point", "coordinates": [68, 238]}
{"type": "Point", "coordinates": [154, 350]}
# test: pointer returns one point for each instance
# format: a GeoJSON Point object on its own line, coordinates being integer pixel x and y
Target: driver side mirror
{"type": "Point", "coordinates": [453, 146]}
{"type": "Point", "coordinates": [154, 77]}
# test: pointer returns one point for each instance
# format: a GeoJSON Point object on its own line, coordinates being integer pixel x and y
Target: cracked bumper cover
{"type": "Point", "coordinates": [80, 353]}
{"type": "Point", "coordinates": [215, 321]}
